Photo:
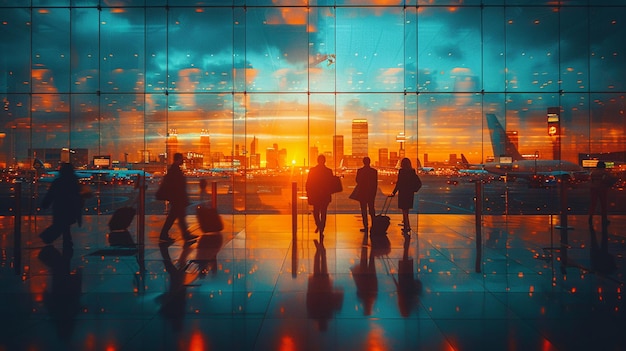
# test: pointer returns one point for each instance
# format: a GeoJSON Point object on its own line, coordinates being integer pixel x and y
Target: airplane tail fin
{"type": "Point", "coordinates": [500, 142]}
{"type": "Point", "coordinates": [464, 162]}
{"type": "Point", "coordinates": [419, 164]}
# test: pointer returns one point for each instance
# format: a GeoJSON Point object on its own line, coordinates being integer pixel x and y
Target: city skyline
{"type": "Point", "coordinates": [298, 75]}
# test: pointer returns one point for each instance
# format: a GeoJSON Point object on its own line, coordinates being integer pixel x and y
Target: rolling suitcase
{"type": "Point", "coordinates": [122, 218]}
{"type": "Point", "coordinates": [381, 221]}
{"type": "Point", "coordinates": [209, 219]}
{"type": "Point", "coordinates": [121, 238]}
{"type": "Point", "coordinates": [119, 222]}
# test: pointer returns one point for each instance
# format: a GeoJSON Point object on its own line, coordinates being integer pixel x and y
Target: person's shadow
{"type": "Point", "coordinates": [408, 286]}
{"type": "Point", "coordinates": [601, 260]}
{"type": "Point", "coordinates": [365, 279]}
{"type": "Point", "coordinates": [173, 302]}
{"type": "Point", "coordinates": [206, 253]}
{"type": "Point", "coordinates": [63, 298]}
{"type": "Point", "coordinates": [322, 299]}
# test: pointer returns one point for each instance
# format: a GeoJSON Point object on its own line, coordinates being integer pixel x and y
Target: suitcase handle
{"type": "Point", "coordinates": [386, 204]}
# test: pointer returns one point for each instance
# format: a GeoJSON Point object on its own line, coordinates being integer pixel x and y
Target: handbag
{"type": "Point", "coordinates": [162, 193]}
{"type": "Point", "coordinates": [355, 194]}
{"type": "Point", "coordinates": [417, 183]}
{"type": "Point", "coordinates": [336, 186]}
{"type": "Point", "coordinates": [209, 219]}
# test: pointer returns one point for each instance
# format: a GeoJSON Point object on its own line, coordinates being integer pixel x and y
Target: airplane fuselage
{"type": "Point", "coordinates": [530, 168]}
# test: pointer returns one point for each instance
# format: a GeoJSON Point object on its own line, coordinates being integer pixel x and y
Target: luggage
{"type": "Point", "coordinates": [50, 234]}
{"type": "Point", "coordinates": [163, 192]}
{"type": "Point", "coordinates": [381, 221]}
{"type": "Point", "coordinates": [335, 186]}
{"type": "Point", "coordinates": [121, 238]}
{"type": "Point", "coordinates": [209, 219]}
{"type": "Point", "coordinates": [122, 218]}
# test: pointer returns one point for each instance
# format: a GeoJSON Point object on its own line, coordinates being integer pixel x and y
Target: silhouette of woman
{"type": "Point", "coordinates": [407, 185]}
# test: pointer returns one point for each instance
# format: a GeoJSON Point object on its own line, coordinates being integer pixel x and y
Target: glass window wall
{"type": "Point", "coordinates": [252, 91]}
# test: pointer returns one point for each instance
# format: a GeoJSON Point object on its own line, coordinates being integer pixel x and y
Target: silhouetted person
{"type": "Point", "coordinates": [173, 302]}
{"type": "Point", "coordinates": [408, 287]}
{"type": "Point", "coordinates": [407, 185]}
{"type": "Point", "coordinates": [366, 185]}
{"type": "Point", "coordinates": [321, 298]}
{"type": "Point", "coordinates": [366, 281]}
{"type": "Point", "coordinates": [206, 253]}
{"type": "Point", "coordinates": [601, 260]}
{"type": "Point", "coordinates": [318, 191]}
{"type": "Point", "coordinates": [65, 198]}
{"type": "Point", "coordinates": [62, 299]}
{"type": "Point", "coordinates": [179, 200]}
{"type": "Point", "coordinates": [601, 182]}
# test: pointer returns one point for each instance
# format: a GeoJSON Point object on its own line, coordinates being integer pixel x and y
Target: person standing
{"type": "Point", "coordinates": [65, 198]}
{"type": "Point", "coordinates": [365, 193]}
{"type": "Point", "coordinates": [318, 191]}
{"type": "Point", "coordinates": [407, 185]}
{"type": "Point", "coordinates": [601, 181]}
{"type": "Point", "coordinates": [176, 188]}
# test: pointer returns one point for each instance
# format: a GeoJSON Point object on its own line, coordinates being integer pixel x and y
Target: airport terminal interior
{"type": "Point", "coordinates": [505, 108]}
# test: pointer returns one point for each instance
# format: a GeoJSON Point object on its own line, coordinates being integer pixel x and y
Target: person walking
{"type": "Point", "coordinates": [175, 186]}
{"type": "Point", "coordinates": [65, 198]}
{"type": "Point", "coordinates": [407, 185]}
{"type": "Point", "coordinates": [319, 189]}
{"type": "Point", "coordinates": [365, 191]}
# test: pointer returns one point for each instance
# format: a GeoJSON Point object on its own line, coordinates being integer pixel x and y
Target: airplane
{"type": "Point", "coordinates": [106, 176]}
{"type": "Point", "coordinates": [510, 163]}
{"type": "Point", "coordinates": [419, 167]}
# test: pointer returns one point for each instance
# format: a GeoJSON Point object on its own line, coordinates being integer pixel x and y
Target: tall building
{"type": "Point", "coordinates": [359, 137]}
{"type": "Point", "coordinates": [255, 158]}
{"type": "Point", "coordinates": [383, 157]}
{"type": "Point", "coordinates": [338, 148]}
{"type": "Point", "coordinates": [275, 158]}
{"type": "Point", "coordinates": [313, 153]}
{"type": "Point", "coordinates": [171, 145]}
{"type": "Point", "coordinates": [401, 138]}
{"type": "Point", "coordinates": [393, 159]}
{"type": "Point", "coordinates": [205, 148]}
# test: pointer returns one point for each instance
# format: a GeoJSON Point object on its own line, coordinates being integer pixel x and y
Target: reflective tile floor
{"type": "Point", "coordinates": [262, 288]}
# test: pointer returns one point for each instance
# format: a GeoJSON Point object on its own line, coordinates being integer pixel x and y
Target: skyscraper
{"type": "Point", "coordinates": [338, 152]}
{"type": "Point", "coordinates": [359, 137]}
{"type": "Point", "coordinates": [255, 158]}
{"type": "Point", "coordinates": [383, 157]}
{"type": "Point", "coordinates": [171, 145]}
{"type": "Point", "coordinates": [205, 148]}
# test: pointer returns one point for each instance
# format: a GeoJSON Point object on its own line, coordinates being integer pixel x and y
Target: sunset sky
{"type": "Point", "coordinates": [297, 76]}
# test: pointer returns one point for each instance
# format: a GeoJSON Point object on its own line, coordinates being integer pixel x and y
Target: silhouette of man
{"type": "Point", "coordinates": [322, 298]}
{"type": "Point", "coordinates": [65, 198]}
{"type": "Point", "coordinates": [366, 184]}
{"type": "Point", "coordinates": [62, 296]}
{"type": "Point", "coordinates": [173, 301]}
{"type": "Point", "coordinates": [318, 190]}
{"type": "Point", "coordinates": [179, 200]}
{"type": "Point", "coordinates": [366, 281]}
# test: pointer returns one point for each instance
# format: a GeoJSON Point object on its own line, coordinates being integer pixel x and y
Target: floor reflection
{"type": "Point", "coordinates": [322, 297]}
{"type": "Point", "coordinates": [62, 298]}
{"type": "Point", "coordinates": [265, 287]}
